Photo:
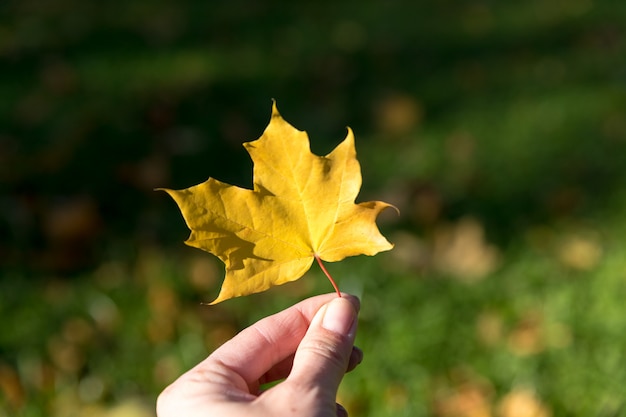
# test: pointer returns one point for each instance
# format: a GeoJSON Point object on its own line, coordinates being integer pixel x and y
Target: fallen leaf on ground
{"type": "Point", "coordinates": [522, 402]}
{"type": "Point", "coordinates": [462, 251]}
{"type": "Point", "coordinates": [468, 400]}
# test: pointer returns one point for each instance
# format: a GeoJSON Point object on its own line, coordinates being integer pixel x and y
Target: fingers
{"type": "Point", "coordinates": [320, 330]}
{"type": "Point", "coordinates": [282, 369]}
{"type": "Point", "coordinates": [356, 357]}
{"type": "Point", "coordinates": [325, 351]}
{"type": "Point", "coordinates": [270, 341]}
{"type": "Point", "coordinates": [341, 412]}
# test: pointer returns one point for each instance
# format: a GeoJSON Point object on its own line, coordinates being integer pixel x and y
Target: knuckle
{"type": "Point", "coordinates": [331, 351]}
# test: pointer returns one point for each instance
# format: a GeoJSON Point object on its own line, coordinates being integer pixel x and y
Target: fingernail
{"type": "Point", "coordinates": [339, 317]}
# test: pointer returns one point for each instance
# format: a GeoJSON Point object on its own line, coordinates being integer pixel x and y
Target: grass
{"type": "Point", "coordinates": [432, 340]}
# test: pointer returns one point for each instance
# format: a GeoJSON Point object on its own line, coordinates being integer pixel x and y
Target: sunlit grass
{"type": "Point", "coordinates": [537, 327]}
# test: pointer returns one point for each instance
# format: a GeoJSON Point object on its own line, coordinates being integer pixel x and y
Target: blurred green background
{"type": "Point", "coordinates": [498, 128]}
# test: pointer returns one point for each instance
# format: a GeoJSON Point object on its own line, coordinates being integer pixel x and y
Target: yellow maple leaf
{"type": "Point", "coordinates": [301, 208]}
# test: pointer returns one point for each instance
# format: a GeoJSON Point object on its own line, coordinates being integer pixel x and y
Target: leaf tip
{"type": "Point", "coordinates": [167, 190]}
{"type": "Point", "coordinates": [275, 112]}
{"type": "Point", "coordinates": [396, 209]}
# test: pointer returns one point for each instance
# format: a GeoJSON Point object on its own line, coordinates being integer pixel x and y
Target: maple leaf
{"type": "Point", "coordinates": [302, 208]}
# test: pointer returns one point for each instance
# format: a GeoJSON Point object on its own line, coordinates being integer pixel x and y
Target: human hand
{"type": "Point", "coordinates": [310, 344]}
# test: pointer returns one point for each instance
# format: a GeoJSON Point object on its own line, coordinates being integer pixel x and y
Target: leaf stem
{"type": "Point", "coordinates": [330, 278]}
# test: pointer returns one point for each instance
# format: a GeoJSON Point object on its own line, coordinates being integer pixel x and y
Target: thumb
{"type": "Point", "coordinates": [322, 357]}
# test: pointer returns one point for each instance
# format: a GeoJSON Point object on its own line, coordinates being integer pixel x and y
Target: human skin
{"type": "Point", "coordinates": [310, 345]}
